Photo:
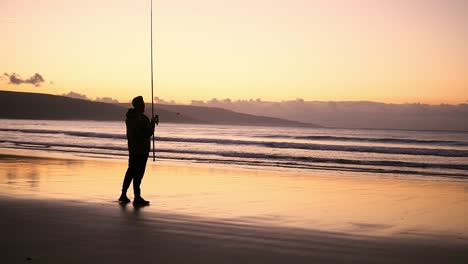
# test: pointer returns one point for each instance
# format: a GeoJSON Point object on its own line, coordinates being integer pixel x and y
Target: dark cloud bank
{"type": "Point", "coordinates": [358, 114]}
{"type": "Point", "coordinates": [15, 79]}
{"type": "Point", "coordinates": [84, 97]}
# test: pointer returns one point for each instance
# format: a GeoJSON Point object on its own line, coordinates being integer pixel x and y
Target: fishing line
{"type": "Point", "coordinates": [152, 81]}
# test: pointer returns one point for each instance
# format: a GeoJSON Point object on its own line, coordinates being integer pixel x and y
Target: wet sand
{"type": "Point", "coordinates": [61, 210]}
{"type": "Point", "coordinates": [50, 231]}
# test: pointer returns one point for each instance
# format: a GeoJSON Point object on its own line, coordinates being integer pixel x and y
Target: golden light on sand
{"type": "Point", "coordinates": [374, 205]}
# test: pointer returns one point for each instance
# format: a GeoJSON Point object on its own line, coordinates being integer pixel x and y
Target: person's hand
{"type": "Point", "coordinates": [155, 119]}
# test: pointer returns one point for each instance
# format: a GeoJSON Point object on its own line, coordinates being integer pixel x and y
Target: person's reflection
{"type": "Point", "coordinates": [11, 176]}
{"type": "Point", "coordinates": [131, 209]}
{"type": "Point", "coordinates": [34, 178]}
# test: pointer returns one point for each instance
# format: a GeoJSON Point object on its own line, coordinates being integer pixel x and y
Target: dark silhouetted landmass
{"type": "Point", "coordinates": [220, 116]}
{"type": "Point", "coordinates": [19, 105]}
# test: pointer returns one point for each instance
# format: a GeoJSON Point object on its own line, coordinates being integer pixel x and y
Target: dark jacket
{"type": "Point", "coordinates": [139, 131]}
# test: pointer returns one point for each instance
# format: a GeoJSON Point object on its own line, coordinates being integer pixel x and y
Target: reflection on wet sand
{"type": "Point", "coordinates": [345, 202]}
{"type": "Point", "coordinates": [27, 172]}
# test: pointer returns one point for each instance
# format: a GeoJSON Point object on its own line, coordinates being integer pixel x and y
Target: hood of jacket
{"type": "Point", "coordinates": [132, 113]}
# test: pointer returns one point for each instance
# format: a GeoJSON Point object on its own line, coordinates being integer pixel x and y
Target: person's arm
{"type": "Point", "coordinates": [154, 121]}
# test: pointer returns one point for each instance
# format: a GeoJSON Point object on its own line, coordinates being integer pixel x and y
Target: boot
{"type": "Point", "coordinates": [140, 201]}
{"type": "Point", "coordinates": [123, 198]}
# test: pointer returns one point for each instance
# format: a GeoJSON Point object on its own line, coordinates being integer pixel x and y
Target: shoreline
{"type": "Point", "coordinates": [387, 172]}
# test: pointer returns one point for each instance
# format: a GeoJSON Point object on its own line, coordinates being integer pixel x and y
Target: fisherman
{"type": "Point", "coordinates": [139, 131]}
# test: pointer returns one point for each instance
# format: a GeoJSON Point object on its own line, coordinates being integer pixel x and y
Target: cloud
{"type": "Point", "coordinates": [158, 100]}
{"type": "Point", "coordinates": [354, 114]}
{"type": "Point", "coordinates": [15, 79]}
{"type": "Point", "coordinates": [197, 102]}
{"type": "Point", "coordinates": [72, 94]}
{"type": "Point", "coordinates": [106, 100]}
{"type": "Point", "coordinates": [76, 96]}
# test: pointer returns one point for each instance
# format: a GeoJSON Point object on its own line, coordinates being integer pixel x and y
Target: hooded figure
{"type": "Point", "coordinates": [139, 131]}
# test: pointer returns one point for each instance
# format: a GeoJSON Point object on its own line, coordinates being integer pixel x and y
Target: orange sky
{"type": "Point", "coordinates": [381, 50]}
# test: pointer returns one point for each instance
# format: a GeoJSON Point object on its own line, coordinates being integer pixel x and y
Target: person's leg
{"type": "Point", "coordinates": [139, 173]}
{"type": "Point", "coordinates": [137, 181]}
{"type": "Point", "coordinates": [129, 175]}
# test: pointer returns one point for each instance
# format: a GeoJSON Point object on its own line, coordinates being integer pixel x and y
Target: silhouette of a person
{"type": "Point", "coordinates": [139, 131]}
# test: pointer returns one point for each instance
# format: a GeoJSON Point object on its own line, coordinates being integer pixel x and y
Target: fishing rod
{"type": "Point", "coordinates": [152, 93]}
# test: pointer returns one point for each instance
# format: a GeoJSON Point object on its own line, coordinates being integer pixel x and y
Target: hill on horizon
{"type": "Point", "coordinates": [23, 105]}
{"type": "Point", "coordinates": [221, 116]}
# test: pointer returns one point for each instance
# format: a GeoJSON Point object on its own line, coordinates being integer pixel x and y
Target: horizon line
{"type": "Point", "coordinates": [75, 95]}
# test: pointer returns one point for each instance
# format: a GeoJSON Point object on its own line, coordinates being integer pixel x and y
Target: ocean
{"type": "Point", "coordinates": [397, 152]}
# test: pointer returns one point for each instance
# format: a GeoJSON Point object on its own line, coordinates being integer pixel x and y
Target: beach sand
{"type": "Point", "coordinates": [63, 210]}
